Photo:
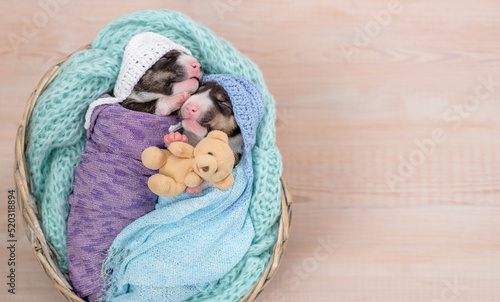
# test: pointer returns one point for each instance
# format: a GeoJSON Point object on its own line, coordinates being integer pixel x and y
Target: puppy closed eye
{"type": "Point", "coordinates": [162, 64]}
{"type": "Point", "coordinates": [226, 107]}
{"type": "Point", "coordinates": [224, 102]}
{"type": "Point", "coordinates": [166, 59]}
{"type": "Point", "coordinates": [167, 87]}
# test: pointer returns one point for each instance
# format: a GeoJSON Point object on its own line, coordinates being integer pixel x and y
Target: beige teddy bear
{"type": "Point", "coordinates": [183, 165]}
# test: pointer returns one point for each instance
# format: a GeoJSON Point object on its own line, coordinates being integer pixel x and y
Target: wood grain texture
{"type": "Point", "coordinates": [344, 124]}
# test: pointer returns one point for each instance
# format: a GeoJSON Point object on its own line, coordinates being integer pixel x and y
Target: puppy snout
{"type": "Point", "coordinates": [194, 68]}
{"type": "Point", "coordinates": [192, 107]}
{"type": "Point", "coordinates": [191, 111]}
{"type": "Point", "coordinates": [197, 70]}
{"type": "Point", "coordinates": [196, 65]}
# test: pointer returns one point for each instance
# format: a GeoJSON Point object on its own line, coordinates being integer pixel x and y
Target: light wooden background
{"type": "Point", "coordinates": [343, 125]}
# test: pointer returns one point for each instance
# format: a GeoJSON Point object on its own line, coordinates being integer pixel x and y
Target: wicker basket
{"type": "Point", "coordinates": [46, 255]}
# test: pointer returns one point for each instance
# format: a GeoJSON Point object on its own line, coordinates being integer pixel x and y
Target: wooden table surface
{"type": "Point", "coordinates": [388, 123]}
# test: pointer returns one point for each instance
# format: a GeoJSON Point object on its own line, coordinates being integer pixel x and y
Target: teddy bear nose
{"type": "Point", "coordinates": [205, 165]}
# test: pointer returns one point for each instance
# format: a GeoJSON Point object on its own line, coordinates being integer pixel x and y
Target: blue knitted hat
{"type": "Point", "coordinates": [248, 104]}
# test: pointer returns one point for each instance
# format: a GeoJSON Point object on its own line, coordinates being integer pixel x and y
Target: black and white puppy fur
{"type": "Point", "coordinates": [170, 84]}
{"type": "Point", "coordinates": [210, 108]}
{"type": "Point", "coordinates": [166, 85]}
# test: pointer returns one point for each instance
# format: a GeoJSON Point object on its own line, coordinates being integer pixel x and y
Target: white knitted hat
{"type": "Point", "coordinates": [141, 53]}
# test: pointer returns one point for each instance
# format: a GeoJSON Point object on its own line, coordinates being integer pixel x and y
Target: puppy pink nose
{"type": "Point", "coordinates": [194, 69]}
{"type": "Point", "coordinates": [191, 108]}
{"type": "Point", "coordinates": [191, 111]}
{"type": "Point", "coordinates": [196, 65]}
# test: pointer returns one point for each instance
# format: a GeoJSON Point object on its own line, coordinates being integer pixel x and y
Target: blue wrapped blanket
{"type": "Point", "coordinates": [189, 242]}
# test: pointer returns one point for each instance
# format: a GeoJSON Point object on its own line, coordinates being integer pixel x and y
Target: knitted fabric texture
{"type": "Point", "coordinates": [110, 189]}
{"type": "Point", "coordinates": [181, 248]}
{"type": "Point", "coordinates": [141, 53]}
{"type": "Point", "coordinates": [198, 238]}
{"type": "Point", "coordinates": [56, 134]}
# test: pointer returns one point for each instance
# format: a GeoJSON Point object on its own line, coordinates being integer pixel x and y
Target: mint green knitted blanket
{"type": "Point", "coordinates": [56, 136]}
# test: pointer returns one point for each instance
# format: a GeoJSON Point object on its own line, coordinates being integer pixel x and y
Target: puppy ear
{"type": "Point", "coordinates": [218, 135]}
{"type": "Point", "coordinates": [219, 96]}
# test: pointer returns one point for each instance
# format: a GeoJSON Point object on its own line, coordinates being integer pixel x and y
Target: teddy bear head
{"type": "Point", "coordinates": [213, 157]}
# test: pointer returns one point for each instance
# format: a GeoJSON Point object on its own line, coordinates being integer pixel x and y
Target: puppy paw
{"type": "Point", "coordinates": [197, 189]}
{"type": "Point", "coordinates": [167, 105]}
{"type": "Point", "coordinates": [174, 137]}
{"type": "Point", "coordinates": [185, 95]}
{"type": "Point", "coordinates": [179, 99]}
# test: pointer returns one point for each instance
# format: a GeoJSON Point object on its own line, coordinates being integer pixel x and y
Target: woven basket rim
{"type": "Point", "coordinates": [46, 255]}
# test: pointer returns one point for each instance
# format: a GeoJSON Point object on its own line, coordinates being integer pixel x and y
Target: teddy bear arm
{"type": "Point", "coordinates": [193, 180]}
{"type": "Point", "coordinates": [181, 149]}
{"type": "Point", "coordinates": [154, 158]}
{"type": "Point", "coordinates": [225, 183]}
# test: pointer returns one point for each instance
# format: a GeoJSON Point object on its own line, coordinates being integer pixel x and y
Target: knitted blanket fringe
{"type": "Point", "coordinates": [56, 136]}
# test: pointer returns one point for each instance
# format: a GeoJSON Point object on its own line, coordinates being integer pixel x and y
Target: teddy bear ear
{"type": "Point", "coordinates": [218, 135]}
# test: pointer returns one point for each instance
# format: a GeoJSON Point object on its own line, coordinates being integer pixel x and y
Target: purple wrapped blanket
{"type": "Point", "coordinates": [110, 189]}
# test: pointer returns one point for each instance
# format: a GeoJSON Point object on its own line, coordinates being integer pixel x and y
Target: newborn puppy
{"type": "Point", "coordinates": [166, 85]}
{"type": "Point", "coordinates": [209, 109]}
